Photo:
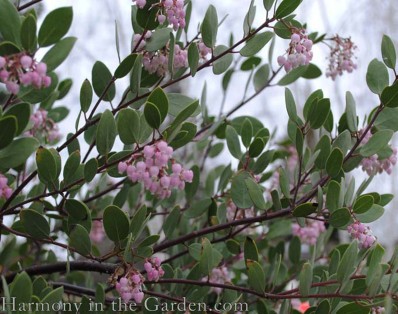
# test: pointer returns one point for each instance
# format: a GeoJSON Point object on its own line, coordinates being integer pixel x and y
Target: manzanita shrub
{"type": "Point", "coordinates": [125, 215]}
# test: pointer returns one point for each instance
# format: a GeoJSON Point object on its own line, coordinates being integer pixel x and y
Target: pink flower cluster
{"type": "Point", "coordinates": [204, 51]}
{"type": "Point", "coordinates": [170, 10]}
{"type": "Point", "coordinates": [310, 233]}
{"type": "Point", "coordinates": [153, 269]}
{"type": "Point", "coordinates": [298, 53]}
{"type": "Point", "coordinates": [44, 127]}
{"type": "Point", "coordinates": [152, 171]}
{"type": "Point", "coordinates": [173, 11]}
{"type": "Point", "coordinates": [97, 232]}
{"type": "Point", "coordinates": [139, 41]}
{"type": "Point", "coordinates": [218, 275]}
{"type": "Point", "coordinates": [5, 190]}
{"type": "Point", "coordinates": [22, 69]}
{"type": "Point", "coordinates": [341, 57]}
{"type": "Point", "coordinates": [158, 62]}
{"type": "Point", "coordinates": [130, 287]}
{"type": "Point", "coordinates": [359, 231]}
{"type": "Point", "coordinates": [378, 310]}
{"type": "Point", "coordinates": [373, 165]}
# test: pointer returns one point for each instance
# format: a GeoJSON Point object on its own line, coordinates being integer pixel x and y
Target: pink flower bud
{"type": "Point", "coordinates": [122, 167]}
{"type": "Point", "coordinates": [26, 62]}
{"type": "Point", "coordinates": [41, 68]}
{"type": "Point", "coordinates": [161, 18]}
{"type": "Point", "coordinates": [2, 62]}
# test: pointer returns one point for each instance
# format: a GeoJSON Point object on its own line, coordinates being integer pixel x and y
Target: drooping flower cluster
{"type": "Point", "coordinates": [233, 213]}
{"type": "Point", "coordinates": [5, 190]}
{"type": "Point", "coordinates": [139, 41]}
{"type": "Point", "coordinates": [153, 269]}
{"type": "Point", "coordinates": [204, 51]}
{"type": "Point", "coordinates": [218, 275]}
{"type": "Point", "coordinates": [44, 127]}
{"type": "Point", "coordinates": [341, 57]}
{"type": "Point", "coordinates": [173, 12]}
{"type": "Point", "coordinates": [153, 170]}
{"type": "Point", "coordinates": [158, 62]}
{"type": "Point", "coordinates": [298, 53]}
{"type": "Point", "coordinates": [373, 165]}
{"type": "Point", "coordinates": [130, 287]}
{"type": "Point", "coordinates": [97, 232]}
{"type": "Point", "coordinates": [310, 233]}
{"type": "Point", "coordinates": [170, 10]}
{"type": "Point", "coordinates": [21, 69]}
{"type": "Point", "coordinates": [362, 233]}
{"type": "Point", "coordinates": [378, 310]}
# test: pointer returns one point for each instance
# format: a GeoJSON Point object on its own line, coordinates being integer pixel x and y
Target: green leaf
{"type": "Point", "coordinates": [152, 115]}
{"type": "Point", "coordinates": [158, 40]}
{"type": "Point", "coordinates": [159, 99]}
{"type": "Point", "coordinates": [135, 78]}
{"type": "Point", "coordinates": [351, 114]}
{"type": "Point", "coordinates": [90, 169]}
{"type": "Point", "coordinates": [206, 257]}
{"type": "Point", "coordinates": [86, 95]}
{"type": "Point", "coordinates": [18, 152]}
{"type": "Point", "coordinates": [198, 208]}
{"type": "Point", "coordinates": [233, 246]}
{"type": "Point", "coordinates": [21, 289]}
{"type": "Point", "coordinates": [260, 78]}
{"type": "Point", "coordinates": [377, 76]}
{"type": "Point", "coordinates": [340, 218]}
{"type": "Point", "coordinates": [138, 222]}
{"type": "Point", "coordinates": [35, 224]}
{"type": "Point", "coordinates": [256, 147]}
{"type": "Point", "coordinates": [256, 277]}
{"type": "Point", "coordinates": [348, 262]}
{"type": "Point", "coordinates": [263, 161]}
{"type": "Point", "coordinates": [64, 88]}
{"type": "Point", "coordinates": [106, 133]}
{"type": "Point", "coordinates": [184, 114]}
{"type": "Point", "coordinates": [193, 58]}
{"type": "Point", "coordinates": [116, 223]}
{"type": "Point", "coordinates": [186, 134]}
{"type": "Point", "coordinates": [247, 132]}
{"type": "Point", "coordinates": [171, 220]}
{"type": "Point", "coordinates": [10, 22]}
{"type": "Point", "coordinates": [8, 48]}
{"type": "Point", "coordinates": [268, 4]}
{"type": "Point", "coordinates": [318, 113]}
{"type": "Point", "coordinates": [353, 308]}
{"type": "Point", "coordinates": [55, 296]}
{"type": "Point", "coordinates": [290, 105]}
{"type": "Point", "coordinates": [363, 204]}
{"type": "Point", "coordinates": [286, 7]}
{"type": "Point", "coordinates": [388, 52]}
{"type": "Point", "coordinates": [374, 213]}
{"type": "Point", "coordinates": [128, 126]}
{"type": "Point", "coordinates": [178, 102]}
{"type": "Point", "coordinates": [222, 64]}
{"type": "Point", "coordinates": [249, 19]}
{"type": "Point", "coordinates": [305, 210]}
{"type": "Point", "coordinates": [191, 188]}
{"type": "Point", "coordinates": [312, 72]}
{"type": "Point", "coordinates": [101, 77]}
{"type": "Point", "coordinates": [374, 261]}
{"type": "Point", "coordinates": [250, 251]}
{"type": "Point", "coordinates": [377, 142]}
{"type": "Point", "coordinates": [239, 192]}
{"type": "Point", "coordinates": [22, 113]}
{"type": "Point", "coordinates": [46, 165]}
{"type": "Point", "coordinates": [255, 44]}
{"type": "Point", "coordinates": [284, 182]}
{"type": "Point", "coordinates": [58, 53]}
{"type": "Point", "coordinates": [125, 66]}
{"type": "Point", "coordinates": [389, 96]}
{"type": "Point", "coordinates": [293, 75]}
{"type": "Point", "coordinates": [28, 34]}
{"type": "Point", "coordinates": [295, 250]}
{"type": "Point", "coordinates": [147, 17]}
{"type": "Point", "coordinates": [334, 162]}
{"type": "Point", "coordinates": [8, 129]}
{"type": "Point", "coordinates": [55, 26]}
{"type": "Point", "coordinates": [305, 279]}
{"type": "Point", "coordinates": [209, 27]}
{"type": "Point", "coordinates": [233, 142]}
{"type": "Point", "coordinates": [79, 239]}
{"type": "Point", "coordinates": [78, 214]}
{"type": "Point", "coordinates": [71, 165]}
{"type": "Point", "coordinates": [250, 63]}
{"type": "Point", "coordinates": [256, 194]}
